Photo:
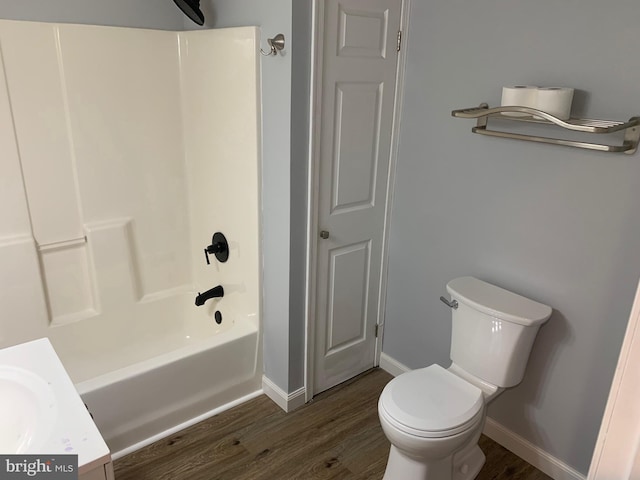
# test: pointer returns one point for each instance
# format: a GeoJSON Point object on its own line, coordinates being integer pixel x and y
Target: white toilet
{"type": "Point", "coordinates": [433, 416]}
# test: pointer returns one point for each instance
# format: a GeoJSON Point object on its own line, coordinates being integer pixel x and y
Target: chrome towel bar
{"type": "Point", "coordinates": [482, 113]}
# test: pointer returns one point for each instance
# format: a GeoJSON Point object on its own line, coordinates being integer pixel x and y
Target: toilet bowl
{"type": "Point", "coordinates": [430, 415]}
{"type": "Point", "coordinates": [433, 417]}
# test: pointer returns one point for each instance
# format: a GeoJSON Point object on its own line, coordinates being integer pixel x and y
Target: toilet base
{"type": "Point", "coordinates": [460, 467]}
{"type": "Point", "coordinates": [466, 466]}
{"type": "Point", "coordinates": [403, 467]}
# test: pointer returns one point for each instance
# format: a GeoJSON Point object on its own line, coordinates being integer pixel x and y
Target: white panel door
{"type": "Point", "coordinates": [359, 59]}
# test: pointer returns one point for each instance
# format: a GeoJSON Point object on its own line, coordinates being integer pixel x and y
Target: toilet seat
{"type": "Point", "coordinates": [431, 402]}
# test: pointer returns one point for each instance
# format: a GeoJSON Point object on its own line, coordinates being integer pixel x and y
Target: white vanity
{"type": "Point", "coordinates": [42, 413]}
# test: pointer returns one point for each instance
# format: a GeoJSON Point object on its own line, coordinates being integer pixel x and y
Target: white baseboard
{"type": "Point", "coordinates": [286, 401]}
{"type": "Point", "coordinates": [530, 453]}
{"type": "Point", "coordinates": [513, 442]}
{"type": "Point", "coordinates": [392, 366]}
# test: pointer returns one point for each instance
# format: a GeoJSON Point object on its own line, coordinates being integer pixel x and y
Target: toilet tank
{"type": "Point", "coordinates": [493, 330]}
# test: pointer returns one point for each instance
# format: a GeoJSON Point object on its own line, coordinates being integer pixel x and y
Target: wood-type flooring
{"type": "Point", "coordinates": [336, 436]}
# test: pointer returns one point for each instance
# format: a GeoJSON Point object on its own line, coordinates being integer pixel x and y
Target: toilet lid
{"type": "Point", "coordinates": [431, 400]}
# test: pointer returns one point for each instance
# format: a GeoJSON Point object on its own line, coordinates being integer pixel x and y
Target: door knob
{"type": "Point", "coordinates": [324, 234]}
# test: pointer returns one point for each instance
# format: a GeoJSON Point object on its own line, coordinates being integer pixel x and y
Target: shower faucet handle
{"type": "Point", "coordinates": [213, 248]}
{"type": "Point", "coordinates": [219, 247]}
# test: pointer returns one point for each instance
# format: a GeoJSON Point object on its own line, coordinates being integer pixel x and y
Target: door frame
{"type": "Point", "coordinates": [616, 452]}
{"type": "Point", "coordinates": [313, 182]}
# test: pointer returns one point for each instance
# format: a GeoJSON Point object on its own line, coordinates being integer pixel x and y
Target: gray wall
{"type": "Point", "coordinates": [559, 225]}
{"type": "Point", "coordinates": [120, 13]}
{"type": "Point", "coordinates": [552, 223]}
{"type": "Point", "coordinates": [300, 92]}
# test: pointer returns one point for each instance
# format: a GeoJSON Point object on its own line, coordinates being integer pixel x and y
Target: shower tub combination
{"type": "Point", "coordinates": [172, 366]}
{"type": "Point", "coordinates": [114, 173]}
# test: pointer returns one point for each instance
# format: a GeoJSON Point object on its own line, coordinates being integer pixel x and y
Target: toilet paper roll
{"type": "Point", "coordinates": [555, 101]}
{"type": "Point", "coordinates": [519, 96]}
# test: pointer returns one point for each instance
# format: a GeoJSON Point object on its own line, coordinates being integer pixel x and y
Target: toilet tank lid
{"type": "Point", "coordinates": [498, 302]}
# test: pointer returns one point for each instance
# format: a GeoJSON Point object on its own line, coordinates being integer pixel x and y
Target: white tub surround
{"type": "Point", "coordinates": [123, 152]}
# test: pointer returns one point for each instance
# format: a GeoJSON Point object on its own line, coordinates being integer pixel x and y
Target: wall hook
{"type": "Point", "coordinates": [275, 44]}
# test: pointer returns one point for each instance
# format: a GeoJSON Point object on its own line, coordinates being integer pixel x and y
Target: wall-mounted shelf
{"type": "Point", "coordinates": [483, 113]}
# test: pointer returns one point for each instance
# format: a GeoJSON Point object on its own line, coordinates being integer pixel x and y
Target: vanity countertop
{"type": "Point", "coordinates": [73, 431]}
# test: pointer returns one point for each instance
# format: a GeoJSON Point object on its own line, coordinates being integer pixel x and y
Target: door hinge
{"type": "Point", "coordinates": [377, 330]}
{"type": "Point", "coordinates": [399, 40]}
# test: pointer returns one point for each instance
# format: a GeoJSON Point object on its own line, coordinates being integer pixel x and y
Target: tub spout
{"type": "Point", "coordinates": [212, 293]}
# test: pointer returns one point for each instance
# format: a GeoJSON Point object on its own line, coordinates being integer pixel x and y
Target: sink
{"type": "Point", "coordinates": [28, 410]}
{"type": "Point", "coordinates": [41, 412]}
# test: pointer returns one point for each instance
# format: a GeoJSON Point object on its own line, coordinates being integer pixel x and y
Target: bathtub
{"type": "Point", "coordinates": [157, 367]}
